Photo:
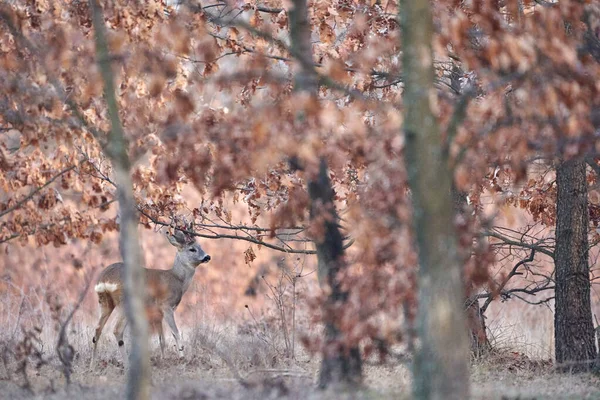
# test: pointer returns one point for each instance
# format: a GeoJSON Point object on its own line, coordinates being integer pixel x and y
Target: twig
{"type": "Point", "coordinates": [282, 372]}
{"type": "Point", "coordinates": [65, 351]}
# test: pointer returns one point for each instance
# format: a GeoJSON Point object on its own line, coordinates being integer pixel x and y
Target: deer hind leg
{"type": "Point", "coordinates": [106, 308]}
{"type": "Point", "coordinates": [170, 319]}
{"type": "Point", "coordinates": [119, 330]}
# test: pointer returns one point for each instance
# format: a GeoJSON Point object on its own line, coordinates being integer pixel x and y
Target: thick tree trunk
{"type": "Point", "coordinates": [341, 363]}
{"type": "Point", "coordinates": [575, 345]}
{"type": "Point", "coordinates": [138, 382]}
{"type": "Point", "coordinates": [441, 362]}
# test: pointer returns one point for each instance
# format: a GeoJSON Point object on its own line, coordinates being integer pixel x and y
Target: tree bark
{"type": "Point", "coordinates": [441, 361]}
{"type": "Point", "coordinates": [479, 341]}
{"type": "Point", "coordinates": [341, 364]}
{"type": "Point", "coordinates": [575, 346]}
{"type": "Point", "coordinates": [138, 382]}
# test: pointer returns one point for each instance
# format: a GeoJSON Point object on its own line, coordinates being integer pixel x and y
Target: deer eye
{"type": "Point", "coordinates": [193, 250]}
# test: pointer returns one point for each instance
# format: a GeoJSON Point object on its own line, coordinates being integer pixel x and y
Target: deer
{"type": "Point", "coordinates": [165, 291]}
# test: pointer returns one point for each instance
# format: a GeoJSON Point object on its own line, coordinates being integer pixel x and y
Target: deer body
{"type": "Point", "coordinates": [165, 291]}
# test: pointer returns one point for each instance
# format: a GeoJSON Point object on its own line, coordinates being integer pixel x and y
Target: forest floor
{"type": "Point", "coordinates": [511, 376]}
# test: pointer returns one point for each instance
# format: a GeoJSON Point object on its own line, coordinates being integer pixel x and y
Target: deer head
{"type": "Point", "coordinates": [189, 252]}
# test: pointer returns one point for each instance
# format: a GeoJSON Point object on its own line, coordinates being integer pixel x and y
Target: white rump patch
{"type": "Point", "coordinates": [105, 287]}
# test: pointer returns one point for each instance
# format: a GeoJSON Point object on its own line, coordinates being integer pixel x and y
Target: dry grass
{"type": "Point", "coordinates": [216, 351]}
{"type": "Point", "coordinates": [515, 376]}
{"type": "Point", "coordinates": [224, 339]}
{"type": "Point", "coordinates": [204, 374]}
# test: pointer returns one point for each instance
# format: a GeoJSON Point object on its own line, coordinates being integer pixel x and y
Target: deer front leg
{"type": "Point", "coordinates": [161, 339]}
{"type": "Point", "coordinates": [170, 319]}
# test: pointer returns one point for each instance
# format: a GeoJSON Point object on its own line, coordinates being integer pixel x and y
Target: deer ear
{"type": "Point", "coordinates": [177, 239]}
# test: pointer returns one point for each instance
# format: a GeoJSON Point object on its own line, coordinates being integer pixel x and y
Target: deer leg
{"type": "Point", "coordinates": [106, 308]}
{"type": "Point", "coordinates": [161, 339]}
{"type": "Point", "coordinates": [118, 332]}
{"type": "Point", "coordinates": [170, 318]}
{"type": "Point", "coordinates": [155, 318]}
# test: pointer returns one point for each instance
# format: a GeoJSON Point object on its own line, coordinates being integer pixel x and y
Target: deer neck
{"type": "Point", "coordinates": [183, 272]}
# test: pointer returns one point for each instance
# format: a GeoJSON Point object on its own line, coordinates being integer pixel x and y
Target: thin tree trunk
{"type": "Point", "coordinates": [479, 341]}
{"type": "Point", "coordinates": [441, 361]}
{"type": "Point", "coordinates": [138, 382]}
{"type": "Point", "coordinates": [575, 345]}
{"type": "Point", "coordinates": [340, 363]}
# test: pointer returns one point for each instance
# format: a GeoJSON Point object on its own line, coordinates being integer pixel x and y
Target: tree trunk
{"type": "Point", "coordinates": [341, 363]}
{"type": "Point", "coordinates": [575, 346]}
{"type": "Point", "coordinates": [138, 382]}
{"type": "Point", "coordinates": [441, 361]}
{"type": "Point", "coordinates": [479, 341]}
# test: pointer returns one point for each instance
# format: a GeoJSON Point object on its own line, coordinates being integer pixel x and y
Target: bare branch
{"type": "Point", "coordinates": [250, 239]}
{"type": "Point", "coordinates": [215, 235]}
{"type": "Point", "coordinates": [512, 273]}
{"type": "Point", "coordinates": [35, 191]}
{"type": "Point", "coordinates": [536, 303]}
{"type": "Point", "coordinates": [269, 10]}
{"type": "Point", "coordinates": [323, 80]}
{"type": "Point", "coordinates": [516, 243]}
